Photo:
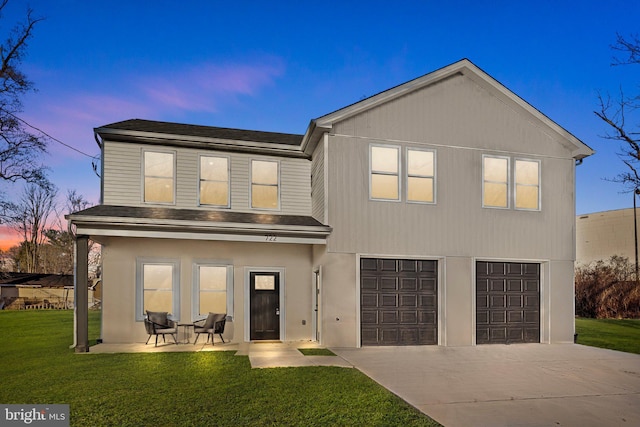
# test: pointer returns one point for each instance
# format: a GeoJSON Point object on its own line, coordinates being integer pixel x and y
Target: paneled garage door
{"type": "Point", "coordinates": [507, 302]}
{"type": "Point", "coordinates": [398, 300]}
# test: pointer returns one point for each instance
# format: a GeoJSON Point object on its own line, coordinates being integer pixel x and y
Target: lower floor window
{"type": "Point", "coordinates": [213, 289]}
{"type": "Point", "coordinates": [157, 287]}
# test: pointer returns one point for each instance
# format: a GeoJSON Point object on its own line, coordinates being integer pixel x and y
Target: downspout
{"type": "Point", "coordinates": [101, 145]}
{"type": "Point", "coordinates": [578, 162]}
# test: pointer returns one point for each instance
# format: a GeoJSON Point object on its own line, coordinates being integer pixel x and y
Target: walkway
{"type": "Point", "coordinates": [261, 355]}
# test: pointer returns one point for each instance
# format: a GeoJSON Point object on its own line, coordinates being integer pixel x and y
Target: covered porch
{"type": "Point", "coordinates": [184, 235]}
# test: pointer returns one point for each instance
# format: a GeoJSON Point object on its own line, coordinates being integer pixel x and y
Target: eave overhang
{"type": "Point", "coordinates": [155, 138]}
{"type": "Point", "coordinates": [312, 137]}
{"type": "Point", "coordinates": [264, 228]}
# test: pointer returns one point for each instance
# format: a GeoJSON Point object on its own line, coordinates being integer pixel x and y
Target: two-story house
{"type": "Point", "coordinates": [440, 211]}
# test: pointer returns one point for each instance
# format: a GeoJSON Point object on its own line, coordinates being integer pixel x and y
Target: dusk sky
{"type": "Point", "coordinates": [275, 65]}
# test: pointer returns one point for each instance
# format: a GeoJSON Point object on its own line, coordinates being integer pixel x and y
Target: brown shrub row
{"type": "Point", "coordinates": [607, 289]}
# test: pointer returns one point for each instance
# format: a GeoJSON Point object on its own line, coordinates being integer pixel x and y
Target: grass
{"type": "Point", "coordinates": [316, 352]}
{"type": "Point", "coordinates": [180, 389]}
{"type": "Point", "coordinates": [614, 334]}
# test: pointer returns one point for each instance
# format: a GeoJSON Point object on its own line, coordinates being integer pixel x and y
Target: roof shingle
{"type": "Point", "coordinates": [174, 214]}
{"type": "Point", "coordinates": [139, 125]}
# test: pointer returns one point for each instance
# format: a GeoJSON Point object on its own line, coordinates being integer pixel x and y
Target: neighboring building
{"type": "Point", "coordinates": [19, 291]}
{"type": "Point", "coordinates": [600, 235]}
{"type": "Point", "coordinates": [440, 211]}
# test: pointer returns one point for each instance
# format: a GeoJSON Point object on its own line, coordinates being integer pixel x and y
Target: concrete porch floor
{"type": "Point", "coordinates": [261, 354]}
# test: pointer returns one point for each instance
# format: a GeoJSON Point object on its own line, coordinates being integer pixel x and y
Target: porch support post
{"type": "Point", "coordinates": [82, 294]}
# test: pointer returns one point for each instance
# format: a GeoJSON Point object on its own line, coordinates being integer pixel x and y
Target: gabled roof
{"type": "Point", "coordinates": [463, 67]}
{"type": "Point", "coordinates": [179, 134]}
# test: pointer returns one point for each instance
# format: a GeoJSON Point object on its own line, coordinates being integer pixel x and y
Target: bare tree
{"type": "Point", "coordinates": [20, 150]}
{"type": "Point", "coordinates": [29, 217]}
{"type": "Point", "coordinates": [619, 115]}
{"type": "Point", "coordinates": [59, 252]}
{"type": "Point", "coordinates": [629, 47]}
{"type": "Point", "coordinates": [75, 202]}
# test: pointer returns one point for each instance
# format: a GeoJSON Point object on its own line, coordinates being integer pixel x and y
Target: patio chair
{"type": "Point", "coordinates": [213, 324]}
{"type": "Point", "coordinates": [158, 323]}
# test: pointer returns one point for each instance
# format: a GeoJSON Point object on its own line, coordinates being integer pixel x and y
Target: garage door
{"type": "Point", "coordinates": [398, 300]}
{"type": "Point", "coordinates": [507, 302]}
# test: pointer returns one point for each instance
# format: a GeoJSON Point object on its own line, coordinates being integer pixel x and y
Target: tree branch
{"type": "Point", "coordinates": [630, 47]}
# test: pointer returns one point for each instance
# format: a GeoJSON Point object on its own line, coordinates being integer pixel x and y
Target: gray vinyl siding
{"type": "Point", "coordinates": [123, 181]}
{"type": "Point", "coordinates": [317, 183]}
{"type": "Point", "coordinates": [187, 178]}
{"type": "Point", "coordinates": [461, 121]}
{"type": "Point", "coordinates": [122, 174]}
{"type": "Point", "coordinates": [240, 178]}
{"type": "Point", "coordinates": [456, 112]}
{"type": "Point", "coordinates": [295, 191]}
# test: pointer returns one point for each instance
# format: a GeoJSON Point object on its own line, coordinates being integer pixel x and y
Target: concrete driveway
{"type": "Point", "coordinates": [509, 385]}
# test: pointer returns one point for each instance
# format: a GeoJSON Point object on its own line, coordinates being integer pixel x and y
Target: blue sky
{"type": "Point", "coordinates": [276, 65]}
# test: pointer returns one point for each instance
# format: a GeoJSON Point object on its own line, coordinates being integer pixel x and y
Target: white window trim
{"type": "Point", "coordinates": [279, 185]}
{"type": "Point", "coordinates": [200, 180]}
{"type": "Point", "coordinates": [435, 172]}
{"type": "Point", "coordinates": [195, 296]}
{"type": "Point", "coordinates": [515, 184]}
{"type": "Point", "coordinates": [398, 174]}
{"type": "Point", "coordinates": [175, 285]}
{"type": "Point", "coordinates": [508, 159]}
{"type": "Point", "coordinates": [143, 176]}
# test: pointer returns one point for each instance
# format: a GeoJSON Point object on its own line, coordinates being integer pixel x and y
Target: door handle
{"type": "Point", "coordinates": [277, 312]}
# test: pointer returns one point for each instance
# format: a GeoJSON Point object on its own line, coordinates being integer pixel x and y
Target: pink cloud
{"type": "Point", "coordinates": [73, 120]}
{"type": "Point", "coordinates": [95, 108]}
{"type": "Point", "coordinates": [198, 88]}
{"type": "Point", "coordinates": [201, 88]}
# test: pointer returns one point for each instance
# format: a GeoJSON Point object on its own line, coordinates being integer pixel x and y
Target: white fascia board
{"type": "Point", "coordinates": [153, 234]}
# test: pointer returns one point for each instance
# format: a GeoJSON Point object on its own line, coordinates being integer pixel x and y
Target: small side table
{"type": "Point", "coordinates": [185, 331]}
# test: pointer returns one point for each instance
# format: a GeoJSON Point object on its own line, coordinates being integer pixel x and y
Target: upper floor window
{"type": "Point", "coordinates": [420, 176]}
{"type": "Point", "coordinates": [527, 183]}
{"type": "Point", "coordinates": [159, 177]}
{"type": "Point", "coordinates": [265, 184]}
{"type": "Point", "coordinates": [214, 181]}
{"type": "Point", "coordinates": [385, 171]}
{"type": "Point", "coordinates": [495, 182]}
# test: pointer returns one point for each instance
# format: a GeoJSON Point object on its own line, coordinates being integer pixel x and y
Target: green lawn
{"type": "Point", "coordinates": [615, 334]}
{"type": "Point", "coordinates": [316, 352]}
{"type": "Point", "coordinates": [180, 389]}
